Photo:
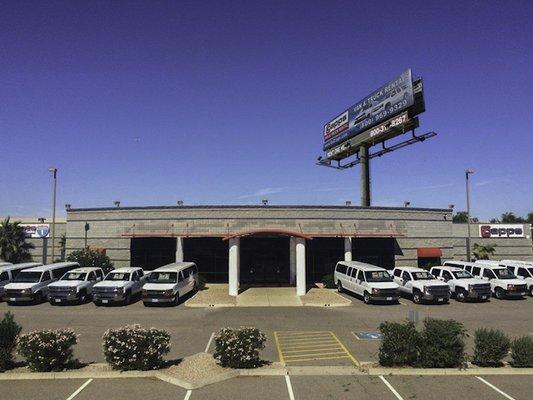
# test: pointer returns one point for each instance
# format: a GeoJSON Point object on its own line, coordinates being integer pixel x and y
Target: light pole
{"type": "Point", "coordinates": [53, 170]}
{"type": "Point", "coordinates": [467, 180]}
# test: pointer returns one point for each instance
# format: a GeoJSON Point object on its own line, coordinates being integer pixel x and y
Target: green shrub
{"type": "Point", "coordinates": [490, 347]}
{"type": "Point", "coordinates": [442, 344]}
{"type": "Point", "coordinates": [328, 281]}
{"type": "Point", "coordinates": [9, 331]}
{"type": "Point", "coordinates": [522, 352]}
{"type": "Point", "coordinates": [201, 282]}
{"type": "Point", "coordinates": [91, 258]}
{"type": "Point", "coordinates": [48, 350]}
{"type": "Point", "coordinates": [239, 348]}
{"type": "Point", "coordinates": [133, 347]}
{"type": "Point", "coordinates": [400, 344]}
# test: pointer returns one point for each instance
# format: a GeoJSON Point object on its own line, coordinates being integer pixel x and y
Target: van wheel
{"type": "Point", "coordinates": [366, 298]}
{"type": "Point", "coordinates": [83, 297]}
{"type": "Point", "coordinates": [531, 290]}
{"type": "Point", "coordinates": [176, 299]}
{"type": "Point", "coordinates": [499, 293]}
{"type": "Point", "coordinates": [38, 298]}
{"type": "Point", "coordinates": [460, 295]}
{"type": "Point", "coordinates": [417, 298]}
{"type": "Point", "coordinates": [339, 287]}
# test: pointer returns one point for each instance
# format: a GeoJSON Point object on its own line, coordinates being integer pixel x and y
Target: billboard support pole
{"type": "Point", "coordinates": [365, 176]}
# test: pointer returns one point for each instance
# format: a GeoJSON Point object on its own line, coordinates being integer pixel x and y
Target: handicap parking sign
{"type": "Point", "coordinates": [369, 335]}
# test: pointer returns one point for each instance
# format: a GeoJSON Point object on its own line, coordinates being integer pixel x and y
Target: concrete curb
{"type": "Point", "coordinates": [8, 376]}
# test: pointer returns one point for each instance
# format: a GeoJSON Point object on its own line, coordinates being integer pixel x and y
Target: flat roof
{"type": "Point", "coordinates": [236, 206]}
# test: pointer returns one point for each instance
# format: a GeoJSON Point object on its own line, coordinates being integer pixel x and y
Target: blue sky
{"type": "Point", "coordinates": [224, 102]}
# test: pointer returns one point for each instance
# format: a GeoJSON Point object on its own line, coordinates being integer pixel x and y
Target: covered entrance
{"type": "Point", "coordinates": [150, 253]}
{"type": "Point", "coordinates": [265, 261]}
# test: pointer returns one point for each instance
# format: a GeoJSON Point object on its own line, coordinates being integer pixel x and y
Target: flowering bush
{"type": "Point", "coordinates": [239, 348]}
{"type": "Point", "coordinates": [9, 331]}
{"type": "Point", "coordinates": [48, 350]}
{"type": "Point", "coordinates": [134, 347]}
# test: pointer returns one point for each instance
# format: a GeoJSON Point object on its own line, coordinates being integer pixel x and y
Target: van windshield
{"type": "Point", "coordinates": [117, 276]}
{"type": "Point", "coordinates": [462, 275]}
{"type": "Point", "coordinates": [163, 277]}
{"type": "Point", "coordinates": [28, 277]}
{"type": "Point", "coordinates": [74, 276]}
{"type": "Point", "coordinates": [422, 276]}
{"type": "Point", "coordinates": [378, 276]}
{"type": "Point", "coordinates": [504, 273]}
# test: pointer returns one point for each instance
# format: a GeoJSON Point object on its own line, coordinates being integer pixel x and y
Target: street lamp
{"type": "Point", "coordinates": [265, 202]}
{"type": "Point", "coordinates": [406, 204]}
{"type": "Point", "coordinates": [116, 203]}
{"type": "Point", "coordinates": [468, 172]}
{"type": "Point", "coordinates": [53, 170]}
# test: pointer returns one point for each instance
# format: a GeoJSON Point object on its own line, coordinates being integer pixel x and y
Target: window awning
{"type": "Point", "coordinates": [429, 252]}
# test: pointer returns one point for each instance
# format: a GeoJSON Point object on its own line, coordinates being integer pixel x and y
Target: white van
{"type": "Point", "coordinates": [119, 286]}
{"type": "Point", "coordinates": [462, 284]}
{"type": "Point", "coordinates": [371, 282]}
{"type": "Point", "coordinates": [421, 285]}
{"type": "Point", "coordinates": [9, 271]}
{"type": "Point", "coordinates": [31, 285]}
{"type": "Point", "coordinates": [522, 269]}
{"type": "Point", "coordinates": [503, 282]}
{"type": "Point", "coordinates": [168, 283]}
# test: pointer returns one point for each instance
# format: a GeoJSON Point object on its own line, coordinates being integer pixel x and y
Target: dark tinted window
{"type": "Point", "coordinates": [476, 271]}
{"type": "Point", "coordinates": [406, 277]}
{"type": "Point", "coordinates": [4, 276]}
{"type": "Point", "coordinates": [180, 277]}
{"type": "Point", "coordinates": [341, 268]}
{"type": "Point", "coordinates": [46, 276]}
{"type": "Point", "coordinates": [397, 272]}
{"type": "Point", "coordinates": [446, 275]}
{"type": "Point", "coordinates": [435, 271]}
{"type": "Point", "coordinates": [487, 273]}
{"type": "Point", "coordinates": [521, 272]}
{"type": "Point", "coordinates": [357, 274]}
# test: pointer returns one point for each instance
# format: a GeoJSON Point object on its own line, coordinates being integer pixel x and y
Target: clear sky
{"type": "Point", "coordinates": [224, 102]}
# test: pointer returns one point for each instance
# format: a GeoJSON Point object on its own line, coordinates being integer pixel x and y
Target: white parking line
{"type": "Point", "coordinates": [79, 389]}
{"type": "Point", "coordinates": [209, 343]}
{"type": "Point", "coordinates": [495, 388]}
{"type": "Point", "coordinates": [188, 395]}
{"type": "Point", "coordinates": [394, 392]}
{"type": "Point", "coordinates": [289, 387]}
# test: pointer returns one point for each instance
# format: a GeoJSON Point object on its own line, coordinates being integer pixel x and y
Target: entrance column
{"type": "Point", "coordinates": [179, 249]}
{"type": "Point", "coordinates": [300, 267]}
{"type": "Point", "coordinates": [347, 249]}
{"type": "Point", "coordinates": [233, 266]}
{"type": "Point", "coordinates": [292, 260]}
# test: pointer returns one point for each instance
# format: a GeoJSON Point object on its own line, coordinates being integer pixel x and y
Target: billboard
{"type": "Point", "coordinates": [382, 104]}
{"type": "Point", "coordinates": [36, 230]}
{"type": "Point", "coordinates": [501, 230]}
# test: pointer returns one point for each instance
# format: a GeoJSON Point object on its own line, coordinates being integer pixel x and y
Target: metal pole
{"type": "Point", "coordinates": [365, 176]}
{"type": "Point", "coordinates": [54, 172]}
{"type": "Point", "coordinates": [468, 214]}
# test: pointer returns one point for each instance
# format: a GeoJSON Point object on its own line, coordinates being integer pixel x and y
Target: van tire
{"type": "Point", "coordinates": [83, 297]}
{"type": "Point", "coordinates": [499, 293]}
{"type": "Point", "coordinates": [176, 299]}
{"type": "Point", "coordinates": [339, 287]}
{"type": "Point", "coordinates": [38, 298]}
{"type": "Point", "coordinates": [531, 290]}
{"type": "Point", "coordinates": [460, 295]}
{"type": "Point", "coordinates": [366, 298]}
{"type": "Point", "coordinates": [127, 298]}
{"type": "Point", "coordinates": [417, 298]}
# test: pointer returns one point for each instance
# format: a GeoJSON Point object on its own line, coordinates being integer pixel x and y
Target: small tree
{"type": "Point", "coordinates": [460, 217]}
{"type": "Point", "coordinates": [510, 218]}
{"type": "Point", "coordinates": [483, 252]}
{"type": "Point", "coordinates": [9, 331]}
{"type": "Point", "coordinates": [91, 258]}
{"type": "Point", "coordinates": [442, 344]}
{"type": "Point", "coordinates": [13, 245]}
{"type": "Point", "coordinates": [400, 345]}
{"type": "Point", "coordinates": [490, 347]}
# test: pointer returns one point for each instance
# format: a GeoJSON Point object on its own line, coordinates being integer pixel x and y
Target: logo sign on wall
{"type": "Point", "coordinates": [36, 231]}
{"type": "Point", "coordinates": [382, 104]}
{"type": "Point", "coordinates": [501, 231]}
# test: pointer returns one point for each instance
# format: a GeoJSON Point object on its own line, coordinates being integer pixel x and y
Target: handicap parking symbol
{"type": "Point", "coordinates": [369, 335]}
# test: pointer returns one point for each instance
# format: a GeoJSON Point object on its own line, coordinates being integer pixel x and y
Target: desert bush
{"type": "Point", "coordinates": [91, 258]}
{"type": "Point", "coordinates": [442, 344]}
{"type": "Point", "coordinates": [9, 331]}
{"type": "Point", "coordinates": [400, 344]}
{"type": "Point", "coordinates": [239, 348]}
{"type": "Point", "coordinates": [48, 350]}
{"type": "Point", "coordinates": [490, 347]}
{"type": "Point", "coordinates": [522, 352]}
{"type": "Point", "coordinates": [133, 347]}
{"type": "Point", "coordinates": [328, 281]}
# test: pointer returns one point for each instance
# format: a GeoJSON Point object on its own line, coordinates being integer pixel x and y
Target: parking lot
{"type": "Point", "coordinates": [191, 328]}
{"type": "Point", "coordinates": [279, 387]}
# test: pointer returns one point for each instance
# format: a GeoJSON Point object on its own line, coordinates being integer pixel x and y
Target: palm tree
{"type": "Point", "coordinates": [13, 245]}
{"type": "Point", "coordinates": [483, 252]}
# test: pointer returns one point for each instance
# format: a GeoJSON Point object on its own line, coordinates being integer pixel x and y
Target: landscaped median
{"type": "Point", "coordinates": [136, 352]}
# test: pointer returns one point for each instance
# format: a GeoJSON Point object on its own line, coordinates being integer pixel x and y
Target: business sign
{"type": "Point", "coordinates": [501, 231]}
{"type": "Point", "coordinates": [36, 230]}
{"type": "Point", "coordinates": [389, 100]}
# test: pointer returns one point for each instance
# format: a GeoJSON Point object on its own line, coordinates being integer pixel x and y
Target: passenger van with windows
{"type": "Point", "coordinates": [31, 284]}
{"type": "Point", "coordinates": [503, 282]}
{"type": "Point", "coordinates": [168, 283]}
{"type": "Point", "coordinates": [373, 283]}
{"type": "Point", "coordinates": [9, 271]}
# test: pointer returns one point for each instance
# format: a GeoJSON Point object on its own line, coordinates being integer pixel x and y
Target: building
{"type": "Point", "coordinates": [274, 245]}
